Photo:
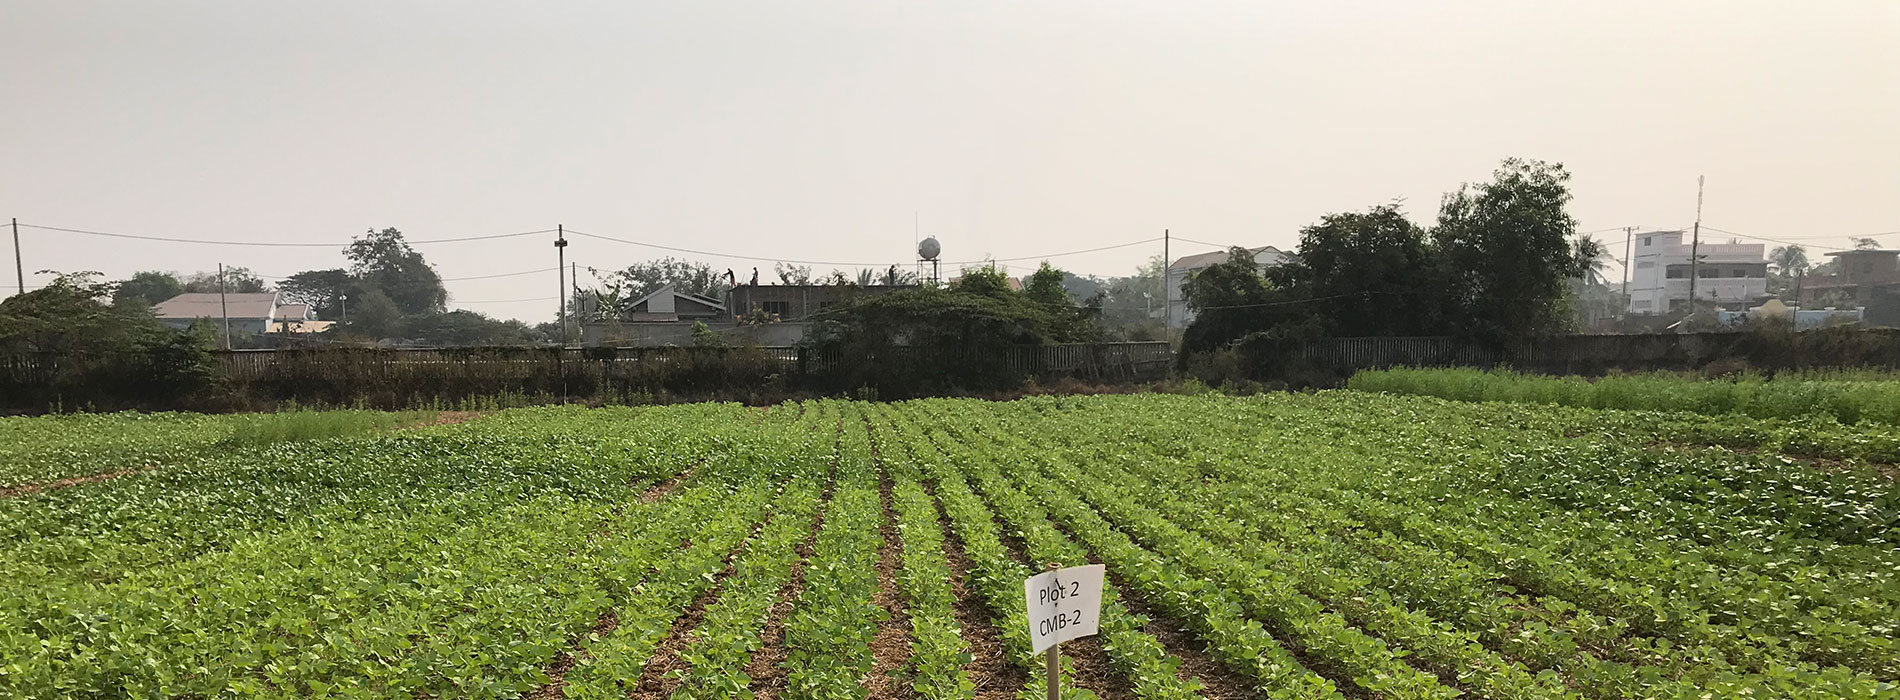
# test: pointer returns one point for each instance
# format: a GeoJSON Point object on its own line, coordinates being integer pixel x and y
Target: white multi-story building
{"type": "Point", "coordinates": [1731, 275]}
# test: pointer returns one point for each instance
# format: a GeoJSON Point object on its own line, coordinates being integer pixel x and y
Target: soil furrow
{"type": "Point", "coordinates": [1219, 683]}
{"type": "Point", "coordinates": [990, 670]}
{"type": "Point", "coordinates": [68, 482]}
{"type": "Point", "coordinates": [657, 678]}
{"type": "Point", "coordinates": [768, 678]}
{"type": "Point", "coordinates": [890, 648]}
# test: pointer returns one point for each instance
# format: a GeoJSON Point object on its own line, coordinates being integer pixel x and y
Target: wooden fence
{"type": "Point", "coordinates": [405, 377]}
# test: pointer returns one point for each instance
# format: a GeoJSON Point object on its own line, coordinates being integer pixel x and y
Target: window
{"type": "Point", "coordinates": [1647, 240]}
{"type": "Point", "coordinates": [1738, 272]}
{"type": "Point", "coordinates": [1704, 272]}
{"type": "Point", "coordinates": [1645, 265]}
{"type": "Point", "coordinates": [1642, 303]}
{"type": "Point", "coordinates": [777, 308]}
{"type": "Point", "coordinates": [1678, 272]}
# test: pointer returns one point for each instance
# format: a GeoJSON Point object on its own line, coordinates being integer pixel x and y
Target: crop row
{"type": "Point", "coordinates": [1286, 485]}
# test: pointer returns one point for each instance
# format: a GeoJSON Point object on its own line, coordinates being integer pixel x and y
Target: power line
{"type": "Point", "coordinates": [266, 244]}
{"type": "Point", "coordinates": [502, 301]}
{"type": "Point", "coordinates": [735, 256]}
{"type": "Point", "coordinates": [1773, 240]}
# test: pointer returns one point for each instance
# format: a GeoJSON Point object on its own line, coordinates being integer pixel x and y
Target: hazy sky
{"type": "Point", "coordinates": [816, 131]}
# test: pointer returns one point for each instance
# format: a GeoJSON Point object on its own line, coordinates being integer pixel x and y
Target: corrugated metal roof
{"type": "Point", "coordinates": [1198, 261]}
{"type": "Point", "coordinates": [247, 306]}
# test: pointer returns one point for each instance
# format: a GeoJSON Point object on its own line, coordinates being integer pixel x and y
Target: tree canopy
{"type": "Point", "coordinates": [384, 261]}
{"type": "Point", "coordinates": [1502, 265]}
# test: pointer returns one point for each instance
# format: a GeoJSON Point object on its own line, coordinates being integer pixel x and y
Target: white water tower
{"type": "Point", "coordinates": [928, 250]}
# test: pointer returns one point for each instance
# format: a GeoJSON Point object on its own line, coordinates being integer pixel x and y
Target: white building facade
{"type": "Point", "coordinates": [1731, 275]}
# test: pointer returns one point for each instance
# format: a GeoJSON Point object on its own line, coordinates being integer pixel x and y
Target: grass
{"type": "Point", "coordinates": [1847, 396]}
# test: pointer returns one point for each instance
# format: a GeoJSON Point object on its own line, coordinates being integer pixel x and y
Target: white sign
{"type": "Point", "coordinates": [1063, 604]}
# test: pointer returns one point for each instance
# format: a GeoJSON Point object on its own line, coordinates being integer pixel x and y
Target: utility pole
{"type": "Point", "coordinates": [1695, 245]}
{"type": "Point", "coordinates": [19, 269]}
{"type": "Point", "coordinates": [1167, 296]}
{"type": "Point", "coordinates": [224, 308]}
{"type": "Point", "coordinates": [560, 285]}
{"type": "Point", "coordinates": [1627, 232]}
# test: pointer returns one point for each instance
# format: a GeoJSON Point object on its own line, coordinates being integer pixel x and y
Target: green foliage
{"type": "Point", "coordinates": [146, 289]}
{"type": "Point", "coordinates": [1327, 545]}
{"type": "Point", "coordinates": [937, 339]}
{"type": "Point", "coordinates": [1789, 395]}
{"type": "Point", "coordinates": [323, 291]}
{"type": "Point", "coordinates": [466, 328]}
{"type": "Point", "coordinates": [1230, 300]}
{"type": "Point", "coordinates": [1500, 268]}
{"type": "Point", "coordinates": [1506, 249]}
{"type": "Point", "coordinates": [265, 428]}
{"type": "Point", "coordinates": [643, 278]}
{"type": "Point", "coordinates": [237, 280]}
{"type": "Point", "coordinates": [383, 261]}
{"type": "Point", "coordinates": [111, 355]}
{"type": "Point", "coordinates": [1370, 274]}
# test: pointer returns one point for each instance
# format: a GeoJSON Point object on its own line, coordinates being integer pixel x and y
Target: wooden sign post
{"type": "Point", "coordinates": [1063, 604]}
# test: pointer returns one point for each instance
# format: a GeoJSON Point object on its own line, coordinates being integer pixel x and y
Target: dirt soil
{"type": "Point", "coordinates": [57, 484]}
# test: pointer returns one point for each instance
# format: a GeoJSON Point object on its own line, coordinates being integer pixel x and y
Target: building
{"type": "Point", "coordinates": [796, 302]}
{"type": "Point", "coordinates": [1731, 275]}
{"type": "Point", "coordinates": [255, 314]}
{"type": "Point", "coordinates": [1861, 278]}
{"type": "Point", "coordinates": [1179, 315]}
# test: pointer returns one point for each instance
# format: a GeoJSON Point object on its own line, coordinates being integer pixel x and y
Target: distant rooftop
{"type": "Point", "coordinates": [1200, 260]}
{"type": "Point", "coordinates": [206, 305]}
{"type": "Point", "coordinates": [1857, 251]}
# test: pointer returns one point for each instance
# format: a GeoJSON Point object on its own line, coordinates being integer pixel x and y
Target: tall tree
{"type": "Point", "coordinates": [146, 289]}
{"type": "Point", "coordinates": [322, 290]}
{"type": "Point", "coordinates": [1789, 260]}
{"type": "Point", "coordinates": [1369, 274]}
{"type": "Point", "coordinates": [1230, 299]}
{"type": "Point", "coordinates": [1506, 249]}
{"type": "Point", "coordinates": [792, 274]}
{"type": "Point", "coordinates": [237, 280]}
{"type": "Point", "coordinates": [384, 261]}
{"type": "Point", "coordinates": [643, 278]}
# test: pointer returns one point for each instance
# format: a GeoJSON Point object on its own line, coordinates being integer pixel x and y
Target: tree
{"type": "Point", "coordinates": [373, 315]}
{"type": "Point", "coordinates": [792, 274]}
{"type": "Point", "coordinates": [1230, 299]}
{"type": "Point", "coordinates": [1866, 244]}
{"type": "Point", "coordinates": [1789, 260]}
{"type": "Point", "coordinates": [1786, 266]}
{"type": "Point", "coordinates": [1131, 306]}
{"type": "Point", "coordinates": [464, 328]}
{"type": "Point", "coordinates": [1506, 252]}
{"type": "Point", "coordinates": [1368, 274]}
{"type": "Point", "coordinates": [322, 290]}
{"type": "Point", "coordinates": [237, 280]}
{"type": "Point", "coordinates": [643, 278]}
{"type": "Point", "coordinates": [384, 261]}
{"type": "Point", "coordinates": [139, 359]}
{"type": "Point", "coordinates": [146, 289]}
{"type": "Point", "coordinates": [1589, 255]}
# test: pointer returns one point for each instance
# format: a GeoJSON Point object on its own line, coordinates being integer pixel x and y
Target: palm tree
{"type": "Point", "coordinates": [1789, 260]}
{"type": "Point", "coordinates": [1587, 255]}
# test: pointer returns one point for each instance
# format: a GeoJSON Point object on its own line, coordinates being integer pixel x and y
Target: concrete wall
{"type": "Point", "coordinates": [654, 335]}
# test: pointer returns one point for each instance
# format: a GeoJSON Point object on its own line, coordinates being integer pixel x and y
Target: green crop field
{"type": "Point", "coordinates": [1343, 544]}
